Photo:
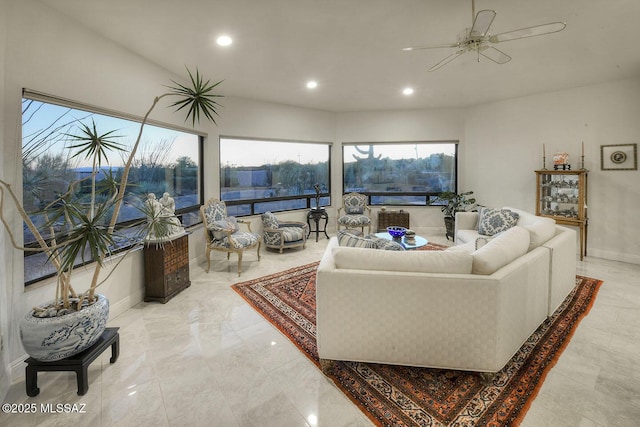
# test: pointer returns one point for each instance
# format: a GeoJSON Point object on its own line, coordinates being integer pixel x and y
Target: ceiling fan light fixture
{"type": "Point", "coordinates": [479, 40]}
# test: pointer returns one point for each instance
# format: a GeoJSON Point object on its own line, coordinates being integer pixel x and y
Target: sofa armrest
{"type": "Point", "coordinates": [465, 221]}
{"type": "Point", "coordinates": [562, 279]}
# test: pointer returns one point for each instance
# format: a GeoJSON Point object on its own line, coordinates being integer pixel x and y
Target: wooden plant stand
{"type": "Point", "coordinates": [78, 363]}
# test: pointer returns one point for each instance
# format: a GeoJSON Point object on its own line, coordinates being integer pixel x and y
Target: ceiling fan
{"type": "Point", "coordinates": [479, 40]}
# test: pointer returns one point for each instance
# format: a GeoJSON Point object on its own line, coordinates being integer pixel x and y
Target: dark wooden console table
{"type": "Point", "coordinates": [78, 363]}
{"type": "Point", "coordinates": [316, 214]}
{"type": "Point", "coordinates": [392, 218]}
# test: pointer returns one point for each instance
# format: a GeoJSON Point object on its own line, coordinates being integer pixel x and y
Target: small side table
{"type": "Point", "coordinates": [78, 363]}
{"type": "Point", "coordinates": [316, 214]}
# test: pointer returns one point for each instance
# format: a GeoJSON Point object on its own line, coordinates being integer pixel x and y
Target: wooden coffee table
{"type": "Point", "coordinates": [419, 240]}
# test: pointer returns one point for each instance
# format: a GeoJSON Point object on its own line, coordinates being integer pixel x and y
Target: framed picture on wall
{"type": "Point", "coordinates": [619, 157]}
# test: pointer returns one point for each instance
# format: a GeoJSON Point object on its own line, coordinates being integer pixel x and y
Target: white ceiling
{"type": "Point", "coordinates": [353, 47]}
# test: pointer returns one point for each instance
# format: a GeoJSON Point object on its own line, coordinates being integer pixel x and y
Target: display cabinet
{"type": "Point", "coordinates": [562, 195]}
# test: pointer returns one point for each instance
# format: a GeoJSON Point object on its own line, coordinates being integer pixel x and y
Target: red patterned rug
{"type": "Point", "coordinates": [407, 396]}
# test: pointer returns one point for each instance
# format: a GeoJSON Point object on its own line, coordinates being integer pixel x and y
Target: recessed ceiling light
{"type": "Point", "coordinates": [224, 40]}
{"type": "Point", "coordinates": [312, 84]}
{"type": "Point", "coordinates": [407, 91]}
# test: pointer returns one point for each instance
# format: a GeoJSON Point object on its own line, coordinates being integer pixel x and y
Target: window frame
{"type": "Point", "coordinates": [253, 202]}
{"type": "Point", "coordinates": [193, 210]}
{"type": "Point", "coordinates": [430, 198]}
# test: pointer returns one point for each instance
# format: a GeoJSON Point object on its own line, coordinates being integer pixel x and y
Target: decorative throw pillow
{"type": "Point", "coordinates": [494, 221]}
{"type": "Point", "coordinates": [347, 239]}
{"type": "Point", "coordinates": [219, 228]}
{"type": "Point", "coordinates": [354, 210]}
{"type": "Point", "coordinates": [387, 245]}
{"type": "Point", "coordinates": [269, 220]}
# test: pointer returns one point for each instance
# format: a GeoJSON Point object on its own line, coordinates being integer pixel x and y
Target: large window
{"type": "Point", "coordinates": [400, 173]}
{"type": "Point", "coordinates": [168, 160]}
{"type": "Point", "coordinates": [266, 175]}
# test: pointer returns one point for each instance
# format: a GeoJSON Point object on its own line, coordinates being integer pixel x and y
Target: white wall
{"type": "Point", "coordinates": [504, 146]}
{"type": "Point", "coordinates": [4, 246]}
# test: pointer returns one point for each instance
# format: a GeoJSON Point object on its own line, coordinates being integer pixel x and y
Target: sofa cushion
{"type": "Point", "coordinates": [494, 221]}
{"type": "Point", "coordinates": [407, 261]}
{"type": "Point", "coordinates": [465, 236]}
{"type": "Point", "coordinates": [541, 231]}
{"type": "Point", "coordinates": [293, 234]}
{"type": "Point", "coordinates": [468, 247]}
{"type": "Point", "coordinates": [540, 228]}
{"type": "Point", "coordinates": [483, 240]}
{"type": "Point", "coordinates": [501, 250]}
{"type": "Point", "coordinates": [348, 239]}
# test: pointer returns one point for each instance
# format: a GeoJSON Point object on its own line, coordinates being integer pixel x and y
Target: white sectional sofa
{"type": "Point", "coordinates": [560, 241]}
{"type": "Point", "coordinates": [455, 309]}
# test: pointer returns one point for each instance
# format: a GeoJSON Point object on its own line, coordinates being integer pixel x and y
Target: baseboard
{"type": "Point", "coordinates": [614, 256]}
{"type": "Point", "coordinates": [124, 304]}
{"type": "Point", "coordinates": [16, 369]}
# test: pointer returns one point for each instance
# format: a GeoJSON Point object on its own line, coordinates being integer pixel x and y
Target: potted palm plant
{"type": "Point", "coordinates": [451, 203]}
{"type": "Point", "coordinates": [73, 229]}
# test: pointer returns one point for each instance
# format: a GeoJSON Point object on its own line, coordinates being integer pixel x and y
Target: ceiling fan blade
{"type": "Point", "coordinates": [446, 60]}
{"type": "Point", "coordinates": [496, 55]}
{"type": "Point", "coordinates": [482, 22]}
{"type": "Point", "coordinates": [410, 48]}
{"type": "Point", "coordinates": [536, 30]}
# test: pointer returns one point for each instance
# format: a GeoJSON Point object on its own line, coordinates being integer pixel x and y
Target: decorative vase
{"type": "Point", "coordinates": [53, 338]}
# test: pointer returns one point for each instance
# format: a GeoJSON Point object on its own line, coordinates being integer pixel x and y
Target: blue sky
{"type": "Point", "coordinates": [184, 144]}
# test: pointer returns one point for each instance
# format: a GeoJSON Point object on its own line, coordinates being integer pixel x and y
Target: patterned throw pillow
{"type": "Point", "coordinates": [347, 239]}
{"type": "Point", "coordinates": [354, 210]}
{"type": "Point", "coordinates": [494, 221]}
{"type": "Point", "coordinates": [220, 227]}
{"type": "Point", "coordinates": [388, 245]}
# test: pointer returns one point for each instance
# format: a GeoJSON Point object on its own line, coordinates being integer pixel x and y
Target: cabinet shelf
{"type": "Point", "coordinates": [562, 195]}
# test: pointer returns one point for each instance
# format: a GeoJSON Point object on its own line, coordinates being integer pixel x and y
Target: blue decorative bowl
{"type": "Point", "coordinates": [396, 232]}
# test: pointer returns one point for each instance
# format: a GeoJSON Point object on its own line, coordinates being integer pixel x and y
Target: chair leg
{"type": "Point", "coordinates": [259, 243]}
{"type": "Point", "coordinates": [239, 263]}
{"type": "Point", "coordinates": [208, 253]}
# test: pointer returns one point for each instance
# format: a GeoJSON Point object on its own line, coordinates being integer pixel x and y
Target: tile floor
{"type": "Point", "coordinates": [207, 359]}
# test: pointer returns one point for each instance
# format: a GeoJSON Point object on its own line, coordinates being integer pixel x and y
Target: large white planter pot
{"type": "Point", "coordinates": [54, 338]}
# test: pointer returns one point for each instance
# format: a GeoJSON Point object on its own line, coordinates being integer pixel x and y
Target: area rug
{"type": "Point", "coordinates": [407, 396]}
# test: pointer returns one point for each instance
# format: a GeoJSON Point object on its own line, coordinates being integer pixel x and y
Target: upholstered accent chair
{"type": "Point", "coordinates": [354, 212]}
{"type": "Point", "coordinates": [223, 232]}
{"type": "Point", "coordinates": [282, 235]}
